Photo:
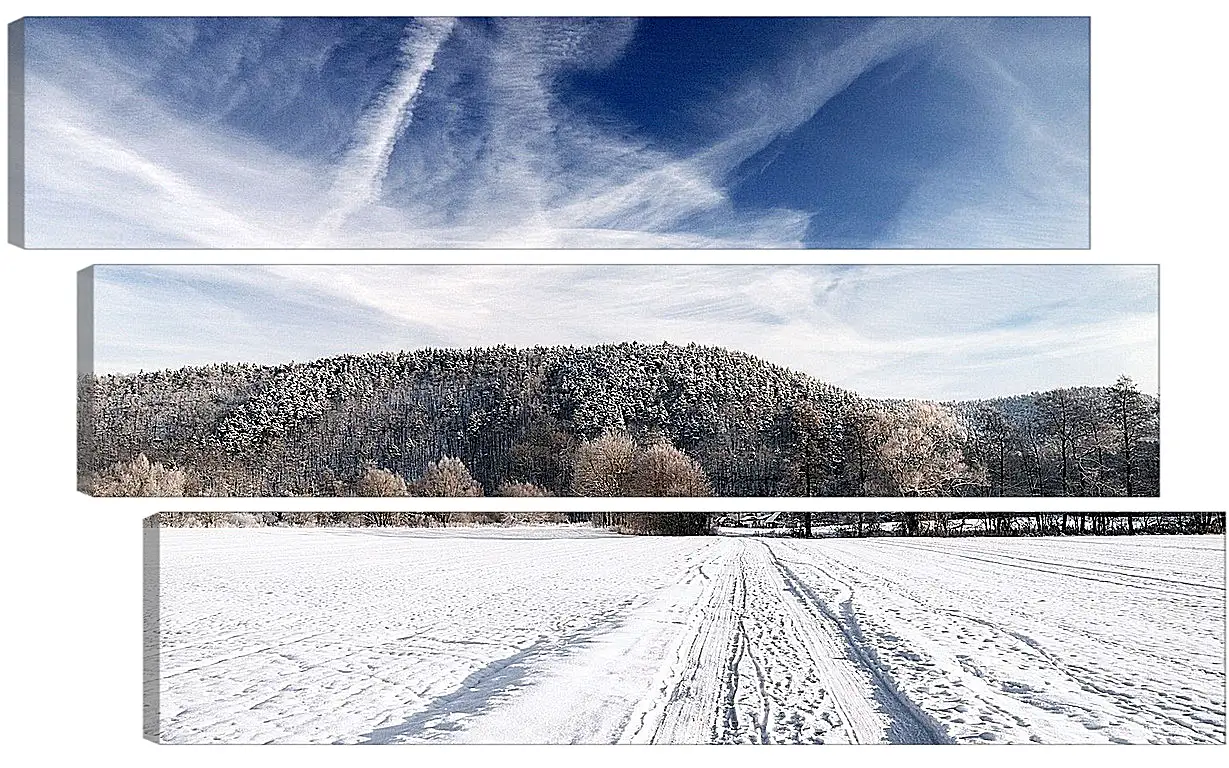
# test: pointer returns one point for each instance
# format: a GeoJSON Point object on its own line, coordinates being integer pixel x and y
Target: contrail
{"type": "Point", "coordinates": [365, 164]}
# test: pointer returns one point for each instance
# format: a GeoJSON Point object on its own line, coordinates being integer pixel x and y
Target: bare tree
{"type": "Point", "coordinates": [1069, 418]}
{"type": "Point", "coordinates": [811, 455]}
{"type": "Point", "coordinates": [380, 519]}
{"type": "Point", "coordinates": [1000, 436]}
{"type": "Point", "coordinates": [544, 456]}
{"type": "Point", "coordinates": [911, 526]}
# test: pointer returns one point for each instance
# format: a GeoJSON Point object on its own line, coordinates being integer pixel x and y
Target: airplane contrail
{"type": "Point", "coordinates": [365, 164]}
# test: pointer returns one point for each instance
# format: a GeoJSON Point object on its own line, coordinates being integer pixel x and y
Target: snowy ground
{"type": "Point", "coordinates": [574, 635]}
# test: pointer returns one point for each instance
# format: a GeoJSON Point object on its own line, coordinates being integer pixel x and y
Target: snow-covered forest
{"type": "Point", "coordinates": [614, 420]}
{"type": "Point", "coordinates": [574, 633]}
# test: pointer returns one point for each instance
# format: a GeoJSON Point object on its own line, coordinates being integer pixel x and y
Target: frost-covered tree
{"type": "Point", "coordinates": [663, 470]}
{"type": "Point", "coordinates": [380, 482]}
{"type": "Point", "coordinates": [139, 477]}
{"type": "Point", "coordinates": [1132, 416]}
{"type": "Point", "coordinates": [614, 465]}
{"type": "Point", "coordinates": [920, 452]}
{"type": "Point", "coordinates": [603, 466]}
{"type": "Point", "coordinates": [447, 477]}
{"type": "Point", "coordinates": [527, 490]}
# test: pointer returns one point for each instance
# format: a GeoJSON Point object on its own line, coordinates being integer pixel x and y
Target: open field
{"type": "Point", "coordinates": [570, 634]}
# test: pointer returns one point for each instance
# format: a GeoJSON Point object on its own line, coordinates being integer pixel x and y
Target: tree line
{"type": "Point", "coordinates": [642, 523]}
{"type": "Point", "coordinates": [611, 420]}
{"type": "Point", "coordinates": [802, 524]}
{"type": "Point", "coordinates": [956, 524]}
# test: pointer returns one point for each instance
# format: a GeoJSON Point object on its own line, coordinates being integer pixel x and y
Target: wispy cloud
{"type": "Point", "coordinates": [1034, 190]}
{"type": "Point", "coordinates": [939, 332]}
{"type": "Point", "coordinates": [502, 132]}
{"type": "Point", "coordinates": [361, 175]}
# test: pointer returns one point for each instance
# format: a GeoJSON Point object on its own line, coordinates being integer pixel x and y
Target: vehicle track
{"type": "Point", "coordinates": [682, 703]}
{"type": "Point", "coordinates": [1018, 562]}
{"type": "Point", "coordinates": [1027, 662]}
{"type": "Point", "coordinates": [784, 670]}
{"type": "Point", "coordinates": [906, 722]}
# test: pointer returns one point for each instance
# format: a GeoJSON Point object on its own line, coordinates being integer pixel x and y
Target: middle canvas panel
{"type": "Point", "coordinates": [619, 380]}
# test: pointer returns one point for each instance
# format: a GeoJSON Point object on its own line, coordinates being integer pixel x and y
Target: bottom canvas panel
{"type": "Point", "coordinates": [815, 628]}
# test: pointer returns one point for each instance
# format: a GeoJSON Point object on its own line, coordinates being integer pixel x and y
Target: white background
{"type": "Point", "coordinates": [72, 565]}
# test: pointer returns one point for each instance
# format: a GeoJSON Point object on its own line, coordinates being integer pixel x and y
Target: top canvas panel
{"type": "Point", "coordinates": [550, 132]}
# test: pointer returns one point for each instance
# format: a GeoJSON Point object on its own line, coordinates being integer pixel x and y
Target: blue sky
{"type": "Point", "coordinates": [688, 132]}
{"type": "Point", "coordinates": [937, 332]}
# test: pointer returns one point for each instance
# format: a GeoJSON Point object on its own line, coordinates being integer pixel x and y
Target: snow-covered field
{"type": "Point", "coordinates": [548, 635]}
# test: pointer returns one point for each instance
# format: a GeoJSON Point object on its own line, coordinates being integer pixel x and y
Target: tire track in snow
{"type": "Point", "coordinates": [1018, 613]}
{"type": "Point", "coordinates": [908, 723]}
{"type": "Point", "coordinates": [762, 661]}
{"type": "Point", "coordinates": [1007, 561]}
{"type": "Point", "coordinates": [754, 713]}
{"type": "Point", "coordinates": [754, 665]}
{"type": "Point", "coordinates": [731, 722]}
{"type": "Point", "coordinates": [961, 703]}
{"type": "Point", "coordinates": [1009, 671]}
{"type": "Point", "coordinates": [687, 694]}
{"type": "Point", "coordinates": [791, 679]}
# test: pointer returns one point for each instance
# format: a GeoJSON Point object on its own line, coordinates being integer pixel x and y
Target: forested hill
{"type": "Point", "coordinates": [1075, 441]}
{"type": "Point", "coordinates": [526, 416]}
